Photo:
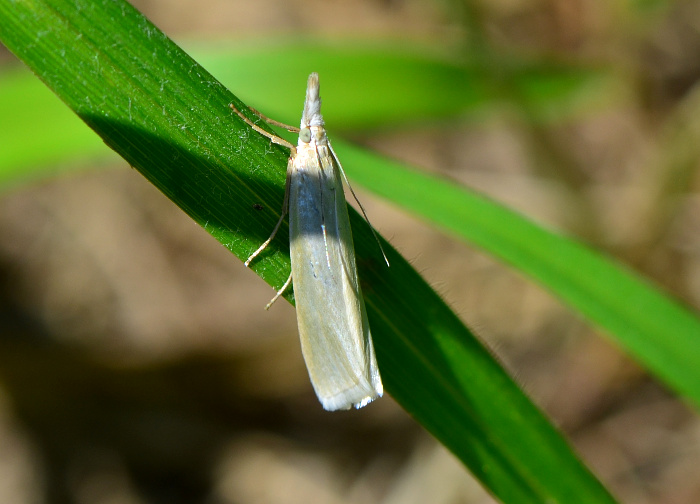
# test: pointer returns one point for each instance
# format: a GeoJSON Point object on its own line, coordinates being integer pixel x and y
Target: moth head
{"type": "Point", "coordinates": [312, 105]}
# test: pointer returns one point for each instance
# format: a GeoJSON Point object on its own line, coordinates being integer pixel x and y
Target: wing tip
{"type": "Point", "coordinates": [357, 398]}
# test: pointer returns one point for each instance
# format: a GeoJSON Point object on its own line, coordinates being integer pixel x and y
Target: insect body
{"type": "Point", "coordinates": [333, 328]}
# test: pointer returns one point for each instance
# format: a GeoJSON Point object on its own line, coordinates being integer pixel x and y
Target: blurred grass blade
{"type": "Point", "coordinates": [169, 119]}
{"type": "Point", "coordinates": [37, 132]}
{"type": "Point", "coordinates": [409, 83]}
{"type": "Point", "coordinates": [33, 145]}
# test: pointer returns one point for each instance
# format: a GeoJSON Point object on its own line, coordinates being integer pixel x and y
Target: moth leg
{"type": "Point", "coordinates": [280, 292]}
{"type": "Point", "coordinates": [265, 243]}
{"type": "Point", "coordinates": [273, 138]}
{"type": "Point", "coordinates": [285, 209]}
{"type": "Point", "coordinates": [292, 129]}
{"type": "Point", "coordinates": [285, 204]}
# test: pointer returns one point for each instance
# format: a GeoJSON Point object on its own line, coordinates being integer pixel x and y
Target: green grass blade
{"type": "Point", "coordinates": [169, 119]}
{"type": "Point", "coordinates": [658, 331]}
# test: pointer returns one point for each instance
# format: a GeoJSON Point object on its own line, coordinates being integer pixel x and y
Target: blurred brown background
{"type": "Point", "coordinates": [137, 362]}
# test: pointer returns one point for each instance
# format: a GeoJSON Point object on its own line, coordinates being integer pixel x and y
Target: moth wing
{"type": "Point", "coordinates": [335, 337]}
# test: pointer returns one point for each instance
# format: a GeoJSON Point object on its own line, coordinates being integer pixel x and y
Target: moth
{"type": "Point", "coordinates": [335, 338]}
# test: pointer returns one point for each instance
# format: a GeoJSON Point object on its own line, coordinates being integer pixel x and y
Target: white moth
{"type": "Point", "coordinates": [333, 328]}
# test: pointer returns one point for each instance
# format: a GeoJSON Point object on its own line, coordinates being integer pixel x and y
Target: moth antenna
{"type": "Point", "coordinates": [371, 227]}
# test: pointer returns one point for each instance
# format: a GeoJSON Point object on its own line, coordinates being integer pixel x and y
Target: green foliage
{"type": "Point", "coordinates": [169, 118]}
